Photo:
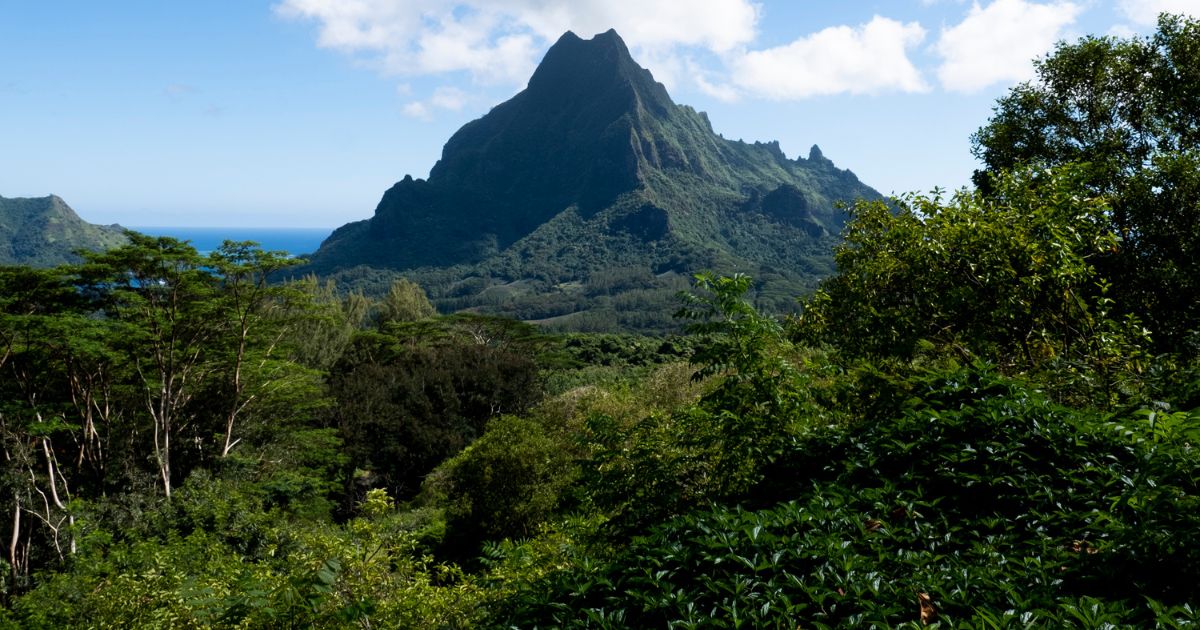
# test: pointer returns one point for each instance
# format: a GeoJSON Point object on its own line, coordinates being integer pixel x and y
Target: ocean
{"type": "Point", "coordinates": [295, 241]}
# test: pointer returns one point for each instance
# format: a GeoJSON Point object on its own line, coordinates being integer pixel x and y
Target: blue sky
{"type": "Point", "coordinates": [302, 112]}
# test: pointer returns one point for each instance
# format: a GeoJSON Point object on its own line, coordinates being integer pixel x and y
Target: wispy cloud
{"type": "Point", "coordinates": [177, 91]}
{"type": "Point", "coordinates": [444, 98]}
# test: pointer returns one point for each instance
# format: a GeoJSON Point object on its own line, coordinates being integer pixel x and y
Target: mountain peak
{"type": "Point", "coordinates": [608, 39]}
{"type": "Point", "coordinates": [577, 121]}
{"type": "Point", "coordinates": [600, 65]}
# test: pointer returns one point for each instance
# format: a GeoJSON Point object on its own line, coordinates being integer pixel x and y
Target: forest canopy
{"type": "Point", "coordinates": [986, 418]}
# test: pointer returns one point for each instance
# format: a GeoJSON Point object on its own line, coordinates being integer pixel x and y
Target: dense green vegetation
{"type": "Point", "coordinates": [585, 202]}
{"type": "Point", "coordinates": [45, 231]}
{"type": "Point", "coordinates": [975, 423]}
{"type": "Point", "coordinates": [1128, 113]}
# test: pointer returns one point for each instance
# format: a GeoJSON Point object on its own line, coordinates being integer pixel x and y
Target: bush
{"type": "Point", "coordinates": [504, 485]}
{"type": "Point", "coordinates": [1009, 278]}
{"type": "Point", "coordinates": [667, 463]}
{"type": "Point", "coordinates": [982, 504]}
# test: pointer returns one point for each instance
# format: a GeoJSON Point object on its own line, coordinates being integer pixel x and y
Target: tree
{"type": "Point", "coordinates": [162, 288]}
{"type": "Point", "coordinates": [59, 409]}
{"type": "Point", "coordinates": [29, 418]}
{"type": "Point", "coordinates": [738, 340]}
{"type": "Point", "coordinates": [405, 302]}
{"type": "Point", "coordinates": [1127, 111]}
{"type": "Point", "coordinates": [196, 331]}
{"type": "Point", "coordinates": [245, 271]}
{"type": "Point", "coordinates": [1008, 277]}
{"type": "Point", "coordinates": [320, 322]}
{"type": "Point", "coordinates": [403, 408]}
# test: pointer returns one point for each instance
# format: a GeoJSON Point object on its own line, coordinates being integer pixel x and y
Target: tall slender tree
{"type": "Point", "coordinates": [163, 289]}
{"type": "Point", "coordinates": [246, 294]}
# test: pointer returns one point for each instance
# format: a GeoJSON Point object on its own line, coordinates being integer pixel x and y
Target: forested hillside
{"type": "Point", "coordinates": [987, 418]}
{"type": "Point", "coordinates": [45, 231]}
{"type": "Point", "coordinates": [585, 202]}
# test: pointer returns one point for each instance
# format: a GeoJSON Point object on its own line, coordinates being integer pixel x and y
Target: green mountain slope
{"type": "Point", "coordinates": [587, 199]}
{"type": "Point", "coordinates": [45, 231]}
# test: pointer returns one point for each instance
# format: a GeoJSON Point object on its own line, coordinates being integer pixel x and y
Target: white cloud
{"type": "Point", "coordinates": [449, 98]}
{"type": "Point", "coordinates": [720, 91]}
{"type": "Point", "coordinates": [417, 109]}
{"type": "Point", "coordinates": [498, 41]}
{"type": "Point", "coordinates": [998, 43]}
{"type": "Point", "coordinates": [1145, 12]}
{"type": "Point", "coordinates": [669, 66]}
{"type": "Point", "coordinates": [869, 59]}
{"type": "Point", "coordinates": [444, 98]}
{"type": "Point", "coordinates": [717, 25]}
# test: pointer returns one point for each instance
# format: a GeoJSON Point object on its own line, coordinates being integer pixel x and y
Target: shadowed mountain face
{"type": "Point", "coordinates": [592, 171]}
{"type": "Point", "coordinates": [45, 231]}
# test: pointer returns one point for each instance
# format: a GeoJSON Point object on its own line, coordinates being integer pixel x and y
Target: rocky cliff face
{"type": "Point", "coordinates": [594, 167]}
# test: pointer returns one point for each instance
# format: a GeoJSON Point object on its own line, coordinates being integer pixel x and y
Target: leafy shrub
{"type": "Point", "coordinates": [982, 501]}
{"type": "Point", "coordinates": [669, 462]}
{"type": "Point", "coordinates": [502, 486]}
{"type": "Point", "coordinates": [1010, 277]}
{"type": "Point", "coordinates": [195, 570]}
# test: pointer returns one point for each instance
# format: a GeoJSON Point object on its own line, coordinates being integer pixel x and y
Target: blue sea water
{"type": "Point", "coordinates": [295, 241]}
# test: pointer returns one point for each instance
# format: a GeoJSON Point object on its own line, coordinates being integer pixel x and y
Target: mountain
{"type": "Point", "coordinates": [588, 199]}
{"type": "Point", "coordinates": [45, 231]}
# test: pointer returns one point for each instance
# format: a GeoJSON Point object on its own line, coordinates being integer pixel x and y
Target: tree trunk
{"type": "Point", "coordinates": [13, 560]}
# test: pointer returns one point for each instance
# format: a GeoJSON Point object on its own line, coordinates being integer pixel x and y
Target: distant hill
{"type": "Point", "coordinates": [45, 231]}
{"type": "Point", "coordinates": [588, 199]}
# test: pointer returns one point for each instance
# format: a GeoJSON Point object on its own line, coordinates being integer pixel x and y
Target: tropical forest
{"type": "Point", "coordinates": [752, 393]}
